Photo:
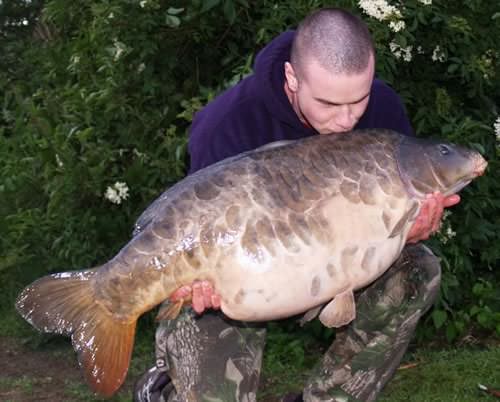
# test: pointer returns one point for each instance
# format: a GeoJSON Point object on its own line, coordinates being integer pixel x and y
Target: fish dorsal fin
{"type": "Point", "coordinates": [340, 311]}
{"type": "Point", "coordinates": [272, 145]}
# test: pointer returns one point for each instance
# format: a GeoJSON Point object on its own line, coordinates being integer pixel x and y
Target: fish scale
{"type": "Point", "coordinates": [279, 231]}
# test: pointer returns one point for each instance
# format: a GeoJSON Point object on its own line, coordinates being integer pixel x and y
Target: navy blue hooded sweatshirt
{"type": "Point", "coordinates": [257, 111]}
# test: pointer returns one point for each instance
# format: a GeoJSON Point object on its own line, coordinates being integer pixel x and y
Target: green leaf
{"type": "Point", "coordinates": [479, 147]}
{"type": "Point", "coordinates": [439, 317]}
{"type": "Point", "coordinates": [474, 310]}
{"type": "Point", "coordinates": [229, 11]}
{"type": "Point", "coordinates": [172, 21]}
{"type": "Point", "coordinates": [451, 333]}
{"type": "Point", "coordinates": [174, 11]}
{"type": "Point", "coordinates": [209, 4]}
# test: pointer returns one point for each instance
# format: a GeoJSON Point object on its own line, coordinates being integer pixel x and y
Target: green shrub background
{"type": "Point", "coordinates": [98, 92]}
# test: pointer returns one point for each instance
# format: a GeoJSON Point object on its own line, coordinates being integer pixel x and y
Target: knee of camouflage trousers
{"type": "Point", "coordinates": [212, 358]}
{"type": "Point", "coordinates": [366, 353]}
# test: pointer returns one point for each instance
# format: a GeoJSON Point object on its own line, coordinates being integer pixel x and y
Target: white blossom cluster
{"type": "Point", "coordinates": [496, 126]}
{"type": "Point", "coordinates": [401, 52]}
{"type": "Point", "coordinates": [59, 161]}
{"type": "Point", "coordinates": [425, 2]}
{"type": "Point", "coordinates": [379, 9]}
{"type": "Point", "coordinates": [397, 26]}
{"type": "Point", "coordinates": [382, 10]}
{"type": "Point", "coordinates": [141, 67]}
{"type": "Point", "coordinates": [438, 54]}
{"type": "Point", "coordinates": [446, 233]}
{"type": "Point", "coordinates": [117, 192]}
{"type": "Point", "coordinates": [118, 49]}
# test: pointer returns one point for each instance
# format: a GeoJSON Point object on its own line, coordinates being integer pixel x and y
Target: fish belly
{"type": "Point", "coordinates": [296, 283]}
{"type": "Point", "coordinates": [256, 287]}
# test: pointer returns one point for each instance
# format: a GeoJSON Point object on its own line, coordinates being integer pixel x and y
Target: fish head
{"type": "Point", "coordinates": [427, 166]}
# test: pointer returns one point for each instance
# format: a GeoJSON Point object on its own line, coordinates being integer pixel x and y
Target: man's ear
{"type": "Point", "coordinates": [291, 77]}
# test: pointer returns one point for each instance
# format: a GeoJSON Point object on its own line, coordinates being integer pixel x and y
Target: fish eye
{"type": "Point", "coordinates": [444, 149]}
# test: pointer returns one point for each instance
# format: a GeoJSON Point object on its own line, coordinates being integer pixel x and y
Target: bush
{"type": "Point", "coordinates": [97, 98]}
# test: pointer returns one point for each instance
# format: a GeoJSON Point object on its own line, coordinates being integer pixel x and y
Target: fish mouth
{"type": "Point", "coordinates": [480, 167]}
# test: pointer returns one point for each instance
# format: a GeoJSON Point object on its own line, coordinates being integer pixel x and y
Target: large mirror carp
{"type": "Point", "coordinates": [278, 231]}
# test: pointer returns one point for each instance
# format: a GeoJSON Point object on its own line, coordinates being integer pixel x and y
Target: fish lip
{"type": "Point", "coordinates": [480, 167]}
{"type": "Point", "coordinates": [459, 186]}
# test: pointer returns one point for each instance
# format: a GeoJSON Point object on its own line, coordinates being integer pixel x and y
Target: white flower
{"type": "Point", "coordinates": [425, 2]}
{"type": "Point", "coordinates": [496, 126]}
{"type": "Point", "coordinates": [141, 68]}
{"type": "Point", "coordinates": [59, 161]}
{"type": "Point", "coordinates": [143, 3]}
{"type": "Point", "coordinates": [450, 233]}
{"type": "Point", "coordinates": [438, 54]}
{"type": "Point", "coordinates": [401, 52]}
{"type": "Point", "coordinates": [118, 49]}
{"type": "Point", "coordinates": [397, 26]}
{"type": "Point", "coordinates": [379, 9]}
{"type": "Point", "coordinates": [117, 193]}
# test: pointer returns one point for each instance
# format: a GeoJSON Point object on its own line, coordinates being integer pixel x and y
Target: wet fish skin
{"type": "Point", "coordinates": [318, 217]}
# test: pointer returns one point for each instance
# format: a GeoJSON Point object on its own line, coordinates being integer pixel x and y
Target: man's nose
{"type": "Point", "coordinates": [345, 118]}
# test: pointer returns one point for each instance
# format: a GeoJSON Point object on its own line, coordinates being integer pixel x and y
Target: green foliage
{"type": "Point", "coordinates": [96, 93]}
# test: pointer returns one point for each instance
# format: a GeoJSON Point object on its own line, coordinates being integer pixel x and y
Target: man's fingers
{"type": "Point", "coordinates": [437, 212]}
{"type": "Point", "coordinates": [181, 293]}
{"type": "Point", "coordinates": [215, 301]}
{"type": "Point", "coordinates": [198, 301]}
{"type": "Point", "coordinates": [451, 200]}
{"type": "Point", "coordinates": [201, 294]}
{"type": "Point", "coordinates": [207, 293]}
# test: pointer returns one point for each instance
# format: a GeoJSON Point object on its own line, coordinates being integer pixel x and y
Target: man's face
{"type": "Point", "coordinates": [330, 103]}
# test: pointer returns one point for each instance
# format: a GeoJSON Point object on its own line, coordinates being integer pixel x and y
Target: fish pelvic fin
{"type": "Point", "coordinates": [340, 311]}
{"type": "Point", "coordinates": [170, 311]}
{"type": "Point", "coordinates": [65, 304]}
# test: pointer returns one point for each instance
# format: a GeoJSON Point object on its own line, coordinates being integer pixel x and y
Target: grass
{"type": "Point", "coordinates": [446, 376]}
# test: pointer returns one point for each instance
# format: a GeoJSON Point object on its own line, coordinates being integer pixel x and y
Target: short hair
{"type": "Point", "coordinates": [338, 40]}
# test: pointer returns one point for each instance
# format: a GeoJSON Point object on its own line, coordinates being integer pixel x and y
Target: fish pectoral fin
{"type": "Point", "coordinates": [340, 311]}
{"type": "Point", "coordinates": [405, 220]}
{"type": "Point", "coordinates": [310, 315]}
{"type": "Point", "coordinates": [170, 311]}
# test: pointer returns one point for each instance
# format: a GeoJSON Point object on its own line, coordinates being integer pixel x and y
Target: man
{"type": "Point", "coordinates": [317, 80]}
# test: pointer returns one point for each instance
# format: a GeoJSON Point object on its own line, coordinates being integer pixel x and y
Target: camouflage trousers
{"type": "Point", "coordinates": [210, 358]}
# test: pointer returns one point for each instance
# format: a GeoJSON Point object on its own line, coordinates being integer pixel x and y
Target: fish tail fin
{"type": "Point", "coordinates": [66, 304]}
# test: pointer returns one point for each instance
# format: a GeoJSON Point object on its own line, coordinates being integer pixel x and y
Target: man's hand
{"type": "Point", "coordinates": [201, 294]}
{"type": "Point", "coordinates": [428, 220]}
